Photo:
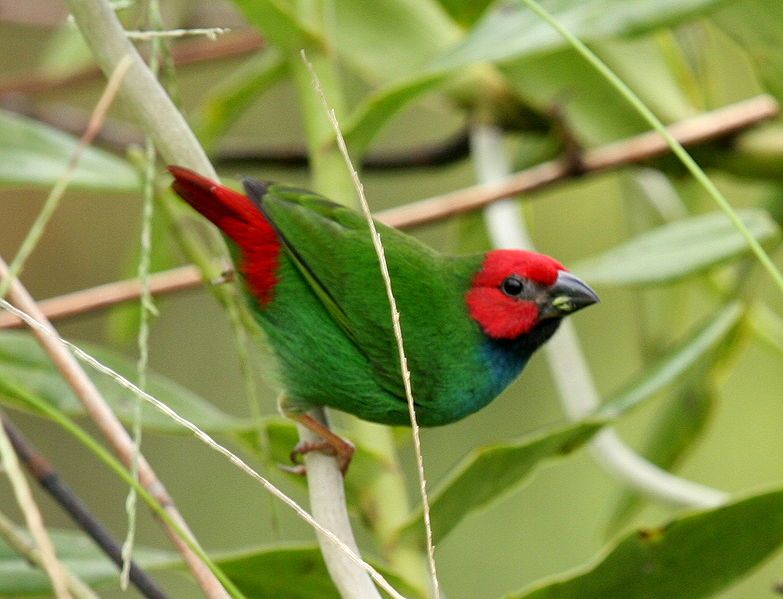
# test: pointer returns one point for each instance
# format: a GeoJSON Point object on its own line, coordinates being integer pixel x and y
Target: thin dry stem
{"type": "Point", "coordinates": [395, 317]}
{"type": "Point", "coordinates": [32, 515]}
{"type": "Point", "coordinates": [19, 543]}
{"type": "Point", "coordinates": [210, 33]}
{"type": "Point", "coordinates": [46, 330]}
{"type": "Point", "coordinates": [21, 490]}
{"type": "Point", "coordinates": [702, 128]}
{"type": "Point", "coordinates": [111, 294]}
{"type": "Point", "coordinates": [699, 129]}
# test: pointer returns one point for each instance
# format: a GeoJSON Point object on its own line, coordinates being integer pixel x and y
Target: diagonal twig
{"type": "Point", "coordinates": [699, 129]}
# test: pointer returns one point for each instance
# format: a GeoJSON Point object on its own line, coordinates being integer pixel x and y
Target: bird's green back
{"type": "Point", "coordinates": [332, 248]}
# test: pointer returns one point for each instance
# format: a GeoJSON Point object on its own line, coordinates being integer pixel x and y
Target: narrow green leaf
{"type": "Point", "coordinates": [291, 571]}
{"type": "Point", "coordinates": [683, 418]}
{"type": "Point", "coordinates": [35, 154]}
{"type": "Point", "coordinates": [681, 422]}
{"type": "Point", "coordinates": [294, 572]}
{"type": "Point", "coordinates": [19, 579]}
{"type": "Point", "coordinates": [367, 120]}
{"type": "Point", "coordinates": [465, 12]}
{"type": "Point", "coordinates": [511, 31]}
{"type": "Point", "coordinates": [757, 26]}
{"type": "Point", "coordinates": [589, 106]}
{"type": "Point", "coordinates": [226, 102]}
{"type": "Point", "coordinates": [674, 363]}
{"type": "Point", "coordinates": [677, 250]}
{"type": "Point", "coordinates": [23, 364]}
{"type": "Point", "coordinates": [278, 21]}
{"type": "Point", "coordinates": [768, 325]}
{"type": "Point", "coordinates": [421, 31]}
{"type": "Point", "coordinates": [693, 556]}
{"type": "Point", "coordinates": [489, 473]}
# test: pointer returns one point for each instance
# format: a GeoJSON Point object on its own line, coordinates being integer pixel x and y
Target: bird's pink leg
{"type": "Point", "coordinates": [332, 444]}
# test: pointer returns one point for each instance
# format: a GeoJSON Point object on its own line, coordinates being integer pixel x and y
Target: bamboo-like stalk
{"type": "Point", "coordinates": [396, 325]}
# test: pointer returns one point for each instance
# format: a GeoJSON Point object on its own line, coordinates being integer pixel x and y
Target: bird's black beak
{"type": "Point", "coordinates": [566, 296]}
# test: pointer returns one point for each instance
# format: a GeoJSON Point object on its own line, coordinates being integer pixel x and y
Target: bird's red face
{"type": "Point", "coordinates": [515, 290]}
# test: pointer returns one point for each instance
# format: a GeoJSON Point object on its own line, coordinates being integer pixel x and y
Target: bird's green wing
{"type": "Point", "coordinates": [332, 247]}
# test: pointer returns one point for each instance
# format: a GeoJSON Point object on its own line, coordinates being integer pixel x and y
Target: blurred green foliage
{"type": "Point", "coordinates": [689, 333]}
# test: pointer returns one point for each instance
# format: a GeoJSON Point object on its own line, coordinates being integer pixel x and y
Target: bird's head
{"type": "Point", "coordinates": [515, 291]}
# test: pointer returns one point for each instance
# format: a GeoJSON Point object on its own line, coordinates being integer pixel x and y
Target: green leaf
{"type": "Point", "coordinates": [681, 422]}
{"type": "Point", "coordinates": [295, 572]}
{"type": "Point", "coordinates": [366, 121]}
{"type": "Point", "coordinates": [465, 12]}
{"type": "Point", "coordinates": [420, 30]}
{"type": "Point", "coordinates": [35, 154]}
{"type": "Point", "coordinates": [292, 571]}
{"type": "Point", "coordinates": [279, 23]}
{"type": "Point", "coordinates": [491, 472]}
{"type": "Point", "coordinates": [23, 365]}
{"type": "Point", "coordinates": [511, 30]}
{"type": "Point", "coordinates": [589, 106]}
{"type": "Point", "coordinates": [757, 26]}
{"type": "Point", "coordinates": [685, 416]}
{"type": "Point", "coordinates": [675, 362]}
{"type": "Point", "coordinates": [225, 102]}
{"type": "Point", "coordinates": [677, 250]}
{"type": "Point", "coordinates": [693, 556]}
{"type": "Point", "coordinates": [19, 579]}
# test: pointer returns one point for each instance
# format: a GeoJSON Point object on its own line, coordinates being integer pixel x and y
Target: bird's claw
{"type": "Point", "coordinates": [343, 455]}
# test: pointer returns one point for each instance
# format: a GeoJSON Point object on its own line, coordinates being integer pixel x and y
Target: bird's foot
{"type": "Point", "coordinates": [336, 446]}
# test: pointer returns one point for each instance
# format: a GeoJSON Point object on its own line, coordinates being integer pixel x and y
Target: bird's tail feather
{"type": "Point", "coordinates": [241, 220]}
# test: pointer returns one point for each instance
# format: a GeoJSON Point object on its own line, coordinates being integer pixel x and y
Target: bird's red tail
{"type": "Point", "coordinates": [241, 220]}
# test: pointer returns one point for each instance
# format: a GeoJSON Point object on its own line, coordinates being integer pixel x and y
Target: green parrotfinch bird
{"type": "Point", "coordinates": [312, 281]}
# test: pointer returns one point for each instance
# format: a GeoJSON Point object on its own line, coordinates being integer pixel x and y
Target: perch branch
{"type": "Point", "coordinates": [47, 477]}
{"type": "Point", "coordinates": [395, 318]}
{"type": "Point", "coordinates": [699, 129]}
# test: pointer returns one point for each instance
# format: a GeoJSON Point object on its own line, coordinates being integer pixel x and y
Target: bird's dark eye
{"type": "Point", "coordinates": [513, 286]}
